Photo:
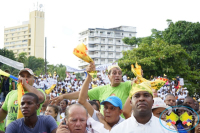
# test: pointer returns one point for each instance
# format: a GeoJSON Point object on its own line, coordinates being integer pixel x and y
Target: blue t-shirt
{"type": "Point", "coordinates": [44, 124]}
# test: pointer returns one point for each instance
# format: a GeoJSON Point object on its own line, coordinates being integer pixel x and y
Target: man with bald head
{"type": "Point", "coordinates": [77, 121]}
{"type": "Point", "coordinates": [170, 100]}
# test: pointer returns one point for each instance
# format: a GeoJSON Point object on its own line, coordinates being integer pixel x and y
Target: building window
{"type": "Point", "coordinates": [130, 35]}
{"type": "Point", "coordinates": [6, 35]}
{"type": "Point", "coordinates": [29, 30]}
{"type": "Point", "coordinates": [12, 38]}
{"type": "Point", "coordinates": [12, 30]}
{"type": "Point", "coordinates": [29, 48]}
{"type": "Point", "coordinates": [24, 32]}
{"type": "Point", "coordinates": [12, 34]}
{"type": "Point", "coordinates": [29, 35]}
{"type": "Point", "coordinates": [24, 36]}
{"type": "Point", "coordinates": [24, 41]}
{"type": "Point", "coordinates": [24, 49]}
{"type": "Point", "coordinates": [29, 53]}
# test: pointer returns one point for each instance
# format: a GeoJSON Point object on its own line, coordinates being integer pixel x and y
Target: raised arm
{"type": "Point", "coordinates": [68, 96]}
{"type": "Point", "coordinates": [32, 89]}
{"type": "Point", "coordinates": [127, 109]}
{"type": "Point", "coordinates": [83, 95]}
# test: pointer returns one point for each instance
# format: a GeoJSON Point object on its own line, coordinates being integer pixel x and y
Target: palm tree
{"type": "Point", "coordinates": [22, 57]}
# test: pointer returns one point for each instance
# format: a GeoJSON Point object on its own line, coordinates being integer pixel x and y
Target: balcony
{"type": "Point", "coordinates": [103, 49]}
{"type": "Point", "coordinates": [118, 43]}
{"type": "Point", "coordinates": [110, 49]}
{"type": "Point", "coordinates": [110, 42]}
{"type": "Point", "coordinates": [118, 50]}
{"type": "Point", "coordinates": [103, 42]}
{"type": "Point", "coordinates": [118, 35]}
{"type": "Point", "coordinates": [94, 48]}
{"type": "Point", "coordinates": [103, 35]}
{"type": "Point", "coordinates": [95, 56]}
{"type": "Point", "coordinates": [110, 35]}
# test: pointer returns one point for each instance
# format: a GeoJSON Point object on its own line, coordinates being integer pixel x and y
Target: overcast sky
{"type": "Point", "coordinates": [64, 19]}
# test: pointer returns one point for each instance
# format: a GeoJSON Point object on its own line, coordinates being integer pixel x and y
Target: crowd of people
{"type": "Point", "coordinates": [109, 103]}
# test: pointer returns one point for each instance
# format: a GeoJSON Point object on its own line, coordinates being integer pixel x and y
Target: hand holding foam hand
{"type": "Point", "coordinates": [81, 52]}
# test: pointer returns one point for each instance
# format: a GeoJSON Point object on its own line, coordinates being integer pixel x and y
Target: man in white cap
{"type": "Point", "coordinates": [10, 106]}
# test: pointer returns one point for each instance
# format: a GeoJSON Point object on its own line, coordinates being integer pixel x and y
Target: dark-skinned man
{"type": "Point", "coordinates": [31, 123]}
{"type": "Point", "coordinates": [142, 120]}
{"type": "Point", "coordinates": [189, 101]}
{"type": "Point", "coordinates": [10, 106]}
{"type": "Point", "coordinates": [115, 88]}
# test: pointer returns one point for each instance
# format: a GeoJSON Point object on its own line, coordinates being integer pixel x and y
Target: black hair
{"type": "Point", "coordinates": [33, 95]}
{"type": "Point", "coordinates": [94, 103]}
{"type": "Point", "coordinates": [66, 101]}
{"type": "Point", "coordinates": [179, 102]}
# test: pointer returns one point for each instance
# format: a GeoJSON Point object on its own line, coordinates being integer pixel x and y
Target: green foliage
{"type": "Point", "coordinates": [182, 32]}
{"type": "Point", "coordinates": [130, 41]}
{"type": "Point", "coordinates": [22, 57]}
{"type": "Point", "coordinates": [156, 59]}
{"type": "Point", "coordinates": [174, 51]}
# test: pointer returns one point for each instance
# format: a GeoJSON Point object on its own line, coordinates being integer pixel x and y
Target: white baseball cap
{"type": "Point", "coordinates": [28, 70]}
{"type": "Point", "coordinates": [158, 103]}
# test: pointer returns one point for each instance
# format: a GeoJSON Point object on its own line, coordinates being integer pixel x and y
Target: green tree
{"type": "Point", "coordinates": [22, 57]}
{"type": "Point", "coordinates": [34, 63]}
{"type": "Point", "coordinates": [161, 58]}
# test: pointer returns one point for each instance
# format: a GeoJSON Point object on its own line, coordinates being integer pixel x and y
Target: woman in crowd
{"type": "Point", "coordinates": [54, 112]}
{"type": "Point", "coordinates": [63, 105]}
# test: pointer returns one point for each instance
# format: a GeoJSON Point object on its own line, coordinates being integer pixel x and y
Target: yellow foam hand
{"type": "Point", "coordinates": [158, 83]}
{"type": "Point", "coordinates": [80, 51]}
{"type": "Point", "coordinates": [136, 72]}
{"type": "Point", "coordinates": [48, 91]}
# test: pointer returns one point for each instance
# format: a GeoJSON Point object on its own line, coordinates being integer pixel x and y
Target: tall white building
{"type": "Point", "coordinates": [106, 45]}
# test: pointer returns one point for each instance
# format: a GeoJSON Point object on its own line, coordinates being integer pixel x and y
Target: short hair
{"type": "Point", "coordinates": [33, 95]}
{"type": "Point", "coordinates": [94, 103]}
{"type": "Point", "coordinates": [75, 104]}
{"type": "Point", "coordinates": [66, 101]}
{"type": "Point", "coordinates": [7, 71]}
{"type": "Point", "coordinates": [169, 95]}
{"type": "Point", "coordinates": [111, 70]}
{"type": "Point", "coordinates": [188, 97]}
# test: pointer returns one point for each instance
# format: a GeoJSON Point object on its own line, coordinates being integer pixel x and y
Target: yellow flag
{"type": "Point", "coordinates": [48, 91]}
{"type": "Point", "coordinates": [20, 92]}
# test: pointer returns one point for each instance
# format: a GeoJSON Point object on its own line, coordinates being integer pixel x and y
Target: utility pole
{"type": "Point", "coordinates": [45, 55]}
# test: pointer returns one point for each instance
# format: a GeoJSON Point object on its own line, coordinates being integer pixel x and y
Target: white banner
{"type": "Point", "coordinates": [181, 81]}
{"type": "Point", "coordinates": [11, 63]}
{"type": "Point", "coordinates": [98, 68]}
{"type": "Point", "coordinates": [105, 66]}
{"type": "Point", "coordinates": [71, 69]}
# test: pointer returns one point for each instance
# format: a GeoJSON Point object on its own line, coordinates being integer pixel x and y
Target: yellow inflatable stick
{"type": "Point", "coordinates": [20, 92]}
